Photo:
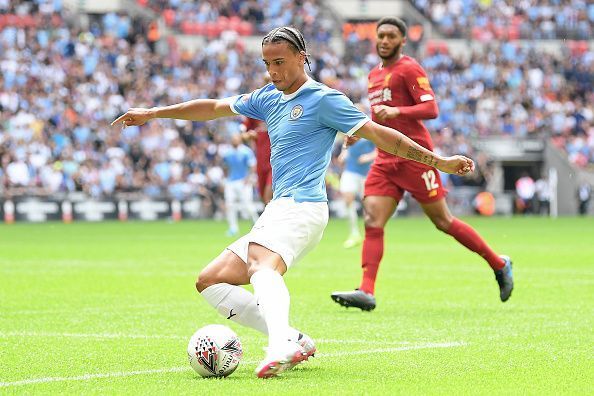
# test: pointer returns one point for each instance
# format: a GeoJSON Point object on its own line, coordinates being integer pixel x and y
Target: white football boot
{"type": "Point", "coordinates": [280, 359]}
{"type": "Point", "coordinates": [309, 348]}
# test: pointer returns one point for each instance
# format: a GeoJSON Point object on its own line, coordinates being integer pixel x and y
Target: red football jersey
{"type": "Point", "coordinates": [403, 83]}
{"type": "Point", "coordinates": [262, 143]}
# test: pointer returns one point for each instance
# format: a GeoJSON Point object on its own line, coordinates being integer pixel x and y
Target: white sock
{"type": "Point", "coordinates": [232, 216]}
{"type": "Point", "coordinates": [237, 304]}
{"type": "Point", "coordinates": [352, 215]}
{"type": "Point", "coordinates": [241, 306]}
{"type": "Point", "coordinates": [273, 296]}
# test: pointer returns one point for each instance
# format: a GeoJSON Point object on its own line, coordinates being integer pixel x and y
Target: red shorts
{"type": "Point", "coordinates": [264, 179]}
{"type": "Point", "coordinates": [391, 179]}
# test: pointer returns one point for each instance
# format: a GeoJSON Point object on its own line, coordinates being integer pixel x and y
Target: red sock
{"type": "Point", "coordinates": [468, 237]}
{"type": "Point", "coordinates": [373, 250]}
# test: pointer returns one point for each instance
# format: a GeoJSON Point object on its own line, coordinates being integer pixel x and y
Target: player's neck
{"type": "Point", "coordinates": [390, 61]}
{"type": "Point", "coordinates": [296, 85]}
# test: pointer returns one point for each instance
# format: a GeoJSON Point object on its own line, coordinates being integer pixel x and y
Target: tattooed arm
{"type": "Point", "coordinates": [395, 142]}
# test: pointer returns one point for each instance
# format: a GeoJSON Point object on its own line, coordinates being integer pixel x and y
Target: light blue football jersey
{"type": "Point", "coordinates": [239, 161]}
{"type": "Point", "coordinates": [302, 127]}
{"type": "Point", "coordinates": [361, 147]}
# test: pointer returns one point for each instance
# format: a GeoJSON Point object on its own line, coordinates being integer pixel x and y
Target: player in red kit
{"type": "Point", "coordinates": [256, 130]}
{"type": "Point", "coordinates": [401, 97]}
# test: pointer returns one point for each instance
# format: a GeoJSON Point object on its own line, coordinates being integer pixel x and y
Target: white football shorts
{"type": "Point", "coordinates": [238, 191]}
{"type": "Point", "coordinates": [351, 182]}
{"type": "Point", "coordinates": [286, 227]}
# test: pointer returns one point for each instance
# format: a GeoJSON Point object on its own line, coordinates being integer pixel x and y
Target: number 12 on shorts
{"type": "Point", "coordinates": [429, 178]}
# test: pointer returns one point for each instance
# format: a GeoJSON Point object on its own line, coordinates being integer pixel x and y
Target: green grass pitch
{"type": "Point", "coordinates": [109, 308]}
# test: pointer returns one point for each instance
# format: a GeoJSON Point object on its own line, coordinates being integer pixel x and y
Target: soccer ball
{"type": "Point", "coordinates": [214, 351]}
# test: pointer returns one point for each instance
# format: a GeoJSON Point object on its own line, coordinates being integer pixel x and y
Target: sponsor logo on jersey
{"type": "Point", "coordinates": [423, 83]}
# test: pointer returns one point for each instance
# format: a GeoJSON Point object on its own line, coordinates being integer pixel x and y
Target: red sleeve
{"type": "Point", "coordinates": [417, 83]}
{"type": "Point", "coordinates": [421, 111]}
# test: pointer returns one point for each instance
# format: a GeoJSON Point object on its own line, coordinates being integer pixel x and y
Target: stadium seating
{"type": "Point", "coordinates": [55, 136]}
{"type": "Point", "coordinates": [511, 20]}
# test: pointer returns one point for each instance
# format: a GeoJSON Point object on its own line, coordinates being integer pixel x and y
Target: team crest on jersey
{"type": "Point", "coordinates": [296, 112]}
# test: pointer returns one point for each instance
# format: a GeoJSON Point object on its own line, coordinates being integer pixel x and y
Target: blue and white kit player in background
{"type": "Point", "coordinates": [357, 159]}
{"type": "Point", "coordinates": [240, 162]}
{"type": "Point", "coordinates": [303, 117]}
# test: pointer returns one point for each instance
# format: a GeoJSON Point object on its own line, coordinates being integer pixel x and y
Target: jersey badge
{"type": "Point", "coordinates": [296, 112]}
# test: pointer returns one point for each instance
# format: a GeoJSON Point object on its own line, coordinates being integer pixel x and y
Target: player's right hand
{"type": "Point", "coordinates": [384, 112]}
{"type": "Point", "coordinates": [457, 165]}
{"type": "Point", "coordinates": [135, 117]}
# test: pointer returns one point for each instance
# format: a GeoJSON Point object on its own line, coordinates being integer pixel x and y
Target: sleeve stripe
{"type": "Point", "coordinates": [358, 126]}
{"type": "Point", "coordinates": [426, 98]}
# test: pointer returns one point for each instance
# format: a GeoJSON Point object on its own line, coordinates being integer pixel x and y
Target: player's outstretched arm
{"type": "Point", "coordinates": [395, 142]}
{"type": "Point", "coordinates": [193, 110]}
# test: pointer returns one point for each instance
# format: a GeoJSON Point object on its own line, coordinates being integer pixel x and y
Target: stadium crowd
{"type": "Point", "coordinates": [486, 20]}
{"type": "Point", "coordinates": [245, 17]}
{"type": "Point", "coordinates": [62, 86]}
{"type": "Point", "coordinates": [505, 89]}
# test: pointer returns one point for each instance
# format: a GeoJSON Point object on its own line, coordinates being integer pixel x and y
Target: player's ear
{"type": "Point", "coordinates": [302, 56]}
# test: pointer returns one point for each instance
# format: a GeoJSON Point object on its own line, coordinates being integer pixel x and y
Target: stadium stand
{"type": "Point", "coordinates": [62, 83]}
{"type": "Point", "coordinates": [511, 20]}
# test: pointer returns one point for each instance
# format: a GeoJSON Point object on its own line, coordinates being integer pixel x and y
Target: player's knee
{"type": "Point", "coordinates": [372, 220]}
{"type": "Point", "coordinates": [442, 224]}
{"type": "Point", "coordinates": [255, 266]}
{"type": "Point", "coordinates": [205, 279]}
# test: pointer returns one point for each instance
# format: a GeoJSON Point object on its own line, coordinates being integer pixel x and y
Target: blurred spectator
{"type": "Point", "coordinates": [525, 190]}
{"type": "Point", "coordinates": [245, 17]}
{"type": "Point", "coordinates": [504, 89]}
{"type": "Point", "coordinates": [60, 87]}
{"type": "Point", "coordinates": [511, 20]}
{"type": "Point", "coordinates": [543, 195]}
{"type": "Point", "coordinates": [584, 194]}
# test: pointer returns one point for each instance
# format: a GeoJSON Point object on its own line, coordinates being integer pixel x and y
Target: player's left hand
{"type": "Point", "coordinates": [383, 112]}
{"type": "Point", "coordinates": [457, 165]}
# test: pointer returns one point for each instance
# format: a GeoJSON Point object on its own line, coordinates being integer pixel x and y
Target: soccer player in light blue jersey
{"type": "Point", "coordinates": [303, 117]}
{"type": "Point", "coordinates": [357, 160]}
{"type": "Point", "coordinates": [240, 162]}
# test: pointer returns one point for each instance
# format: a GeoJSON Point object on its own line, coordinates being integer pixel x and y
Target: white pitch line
{"type": "Point", "coordinates": [167, 336]}
{"type": "Point", "coordinates": [87, 335]}
{"type": "Point", "coordinates": [86, 377]}
{"type": "Point", "coordinates": [94, 309]}
{"type": "Point", "coordinates": [395, 349]}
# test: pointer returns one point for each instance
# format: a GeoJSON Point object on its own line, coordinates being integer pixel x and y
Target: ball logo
{"type": "Point", "coordinates": [296, 112]}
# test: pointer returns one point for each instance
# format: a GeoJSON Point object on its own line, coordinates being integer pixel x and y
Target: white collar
{"type": "Point", "coordinates": [306, 84]}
